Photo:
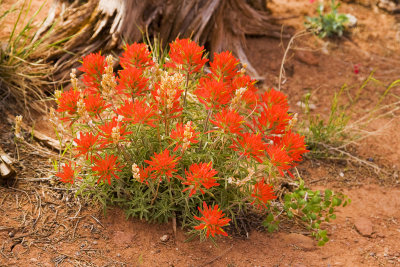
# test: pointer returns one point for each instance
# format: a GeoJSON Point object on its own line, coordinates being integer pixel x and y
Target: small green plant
{"type": "Point", "coordinates": [328, 24]}
{"type": "Point", "coordinates": [23, 76]}
{"type": "Point", "coordinates": [310, 207]}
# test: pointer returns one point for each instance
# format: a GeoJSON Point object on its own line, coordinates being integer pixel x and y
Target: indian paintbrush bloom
{"type": "Point", "coordinates": [93, 67]}
{"type": "Point", "coordinates": [136, 55]}
{"type": "Point", "coordinates": [262, 194]}
{"type": "Point", "coordinates": [67, 175]}
{"type": "Point", "coordinates": [137, 112]}
{"type": "Point", "coordinates": [85, 143]}
{"type": "Point", "coordinates": [201, 174]}
{"type": "Point", "coordinates": [249, 144]}
{"type": "Point", "coordinates": [162, 164]}
{"type": "Point", "coordinates": [131, 82]}
{"type": "Point", "coordinates": [112, 132]}
{"type": "Point", "coordinates": [184, 135]}
{"type": "Point", "coordinates": [212, 93]}
{"type": "Point", "coordinates": [224, 66]}
{"type": "Point", "coordinates": [229, 121]}
{"type": "Point", "coordinates": [106, 168]}
{"type": "Point", "coordinates": [212, 220]}
{"type": "Point", "coordinates": [187, 55]}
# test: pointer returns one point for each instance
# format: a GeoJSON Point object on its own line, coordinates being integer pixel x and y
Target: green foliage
{"type": "Point", "coordinates": [23, 76]}
{"type": "Point", "coordinates": [328, 24]}
{"type": "Point", "coordinates": [310, 207]}
{"type": "Point", "coordinates": [313, 208]}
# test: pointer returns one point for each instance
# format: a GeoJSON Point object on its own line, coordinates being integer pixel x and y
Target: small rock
{"type": "Point", "coordinates": [364, 227]}
{"type": "Point", "coordinates": [164, 238]}
{"type": "Point", "coordinates": [11, 234]}
{"type": "Point", "coordinates": [303, 105]}
{"type": "Point", "coordinates": [95, 242]}
{"type": "Point", "coordinates": [118, 255]}
{"type": "Point", "coordinates": [307, 57]}
{"type": "Point", "coordinates": [341, 174]}
{"type": "Point", "coordinates": [301, 241]}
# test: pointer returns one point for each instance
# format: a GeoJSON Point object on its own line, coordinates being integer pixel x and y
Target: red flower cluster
{"type": "Point", "coordinates": [212, 220]}
{"type": "Point", "coordinates": [93, 66]}
{"type": "Point", "coordinates": [184, 135]}
{"type": "Point", "coordinates": [162, 164]}
{"type": "Point", "coordinates": [136, 55]}
{"type": "Point", "coordinates": [67, 175]}
{"type": "Point", "coordinates": [262, 194]}
{"type": "Point", "coordinates": [200, 174]}
{"type": "Point", "coordinates": [106, 168]}
{"type": "Point", "coordinates": [187, 55]}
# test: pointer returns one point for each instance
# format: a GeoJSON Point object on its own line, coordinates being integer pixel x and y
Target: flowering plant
{"type": "Point", "coordinates": [166, 139]}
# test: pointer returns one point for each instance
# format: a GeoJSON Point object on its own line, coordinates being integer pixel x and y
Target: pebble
{"type": "Point", "coordinates": [363, 226]}
{"type": "Point", "coordinates": [164, 238]}
{"type": "Point", "coordinates": [301, 104]}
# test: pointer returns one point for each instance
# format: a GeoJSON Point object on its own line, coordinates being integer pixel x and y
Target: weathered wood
{"type": "Point", "coordinates": [103, 25]}
{"type": "Point", "coordinates": [6, 169]}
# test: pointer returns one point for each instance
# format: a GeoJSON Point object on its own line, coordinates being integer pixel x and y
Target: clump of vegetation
{"type": "Point", "coordinates": [330, 23]}
{"type": "Point", "coordinates": [167, 141]}
{"type": "Point", "coordinates": [23, 78]}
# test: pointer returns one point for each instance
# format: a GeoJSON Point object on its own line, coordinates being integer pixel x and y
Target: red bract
{"type": "Point", "coordinates": [213, 220]}
{"type": "Point", "coordinates": [93, 67]}
{"type": "Point", "coordinates": [131, 82]}
{"type": "Point", "coordinates": [294, 144]}
{"type": "Point", "coordinates": [273, 97]}
{"type": "Point", "coordinates": [249, 144]}
{"type": "Point", "coordinates": [184, 135]}
{"type": "Point", "coordinates": [95, 104]}
{"type": "Point", "coordinates": [244, 86]}
{"type": "Point", "coordinates": [188, 54]}
{"type": "Point", "coordinates": [262, 194]}
{"type": "Point", "coordinates": [138, 112]}
{"type": "Point", "coordinates": [106, 168]}
{"type": "Point", "coordinates": [212, 93]}
{"type": "Point", "coordinates": [68, 102]}
{"type": "Point", "coordinates": [273, 120]}
{"type": "Point", "coordinates": [280, 158]}
{"type": "Point", "coordinates": [68, 173]}
{"type": "Point", "coordinates": [85, 143]}
{"type": "Point", "coordinates": [229, 121]}
{"type": "Point", "coordinates": [112, 132]}
{"type": "Point", "coordinates": [200, 174]}
{"type": "Point", "coordinates": [136, 55]}
{"type": "Point", "coordinates": [162, 164]}
{"type": "Point", "coordinates": [223, 67]}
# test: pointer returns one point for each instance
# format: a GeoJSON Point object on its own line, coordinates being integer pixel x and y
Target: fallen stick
{"type": "Point", "coordinates": [6, 169]}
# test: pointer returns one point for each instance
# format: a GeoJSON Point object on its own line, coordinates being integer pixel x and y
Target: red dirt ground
{"type": "Point", "coordinates": [70, 234]}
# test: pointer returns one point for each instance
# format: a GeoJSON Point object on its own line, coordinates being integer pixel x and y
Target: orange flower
{"type": "Point", "coordinates": [112, 132]}
{"type": "Point", "coordinates": [106, 168]}
{"type": "Point", "coordinates": [184, 135]}
{"type": "Point", "coordinates": [95, 104]}
{"type": "Point", "coordinates": [138, 112]}
{"type": "Point", "coordinates": [223, 67]}
{"type": "Point", "coordinates": [200, 174]}
{"type": "Point", "coordinates": [93, 67]}
{"type": "Point", "coordinates": [68, 173]}
{"type": "Point", "coordinates": [136, 55]}
{"type": "Point", "coordinates": [85, 143]}
{"type": "Point", "coordinates": [262, 194]}
{"type": "Point", "coordinates": [213, 220]}
{"type": "Point", "coordinates": [228, 121]}
{"type": "Point", "coordinates": [212, 93]}
{"type": "Point", "coordinates": [131, 82]}
{"type": "Point", "coordinates": [162, 164]}
{"type": "Point", "coordinates": [188, 54]}
{"type": "Point", "coordinates": [249, 144]}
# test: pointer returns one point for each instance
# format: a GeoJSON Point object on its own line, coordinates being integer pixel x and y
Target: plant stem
{"type": "Point", "coordinates": [155, 196]}
{"type": "Point", "coordinates": [186, 88]}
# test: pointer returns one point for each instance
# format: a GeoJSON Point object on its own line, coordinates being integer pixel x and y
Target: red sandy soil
{"type": "Point", "coordinates": [365, 233]}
